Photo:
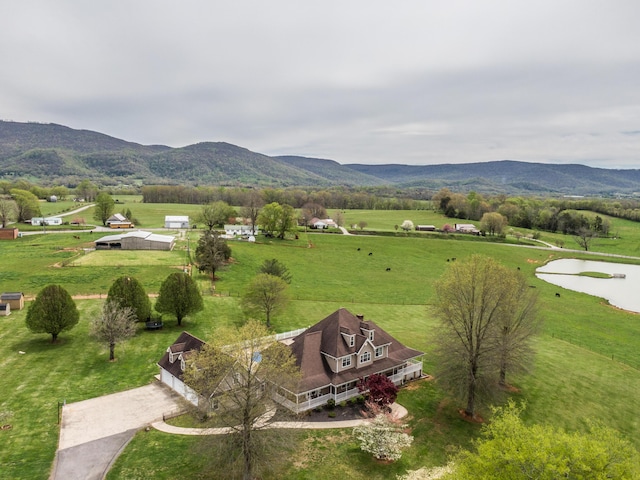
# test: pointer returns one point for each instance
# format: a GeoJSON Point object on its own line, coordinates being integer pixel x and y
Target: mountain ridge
{"type": "Point", "coordinates": [52, 153]}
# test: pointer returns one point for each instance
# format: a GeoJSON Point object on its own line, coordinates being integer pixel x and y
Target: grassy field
{"type": "Point", "coordinates": [588, 363]}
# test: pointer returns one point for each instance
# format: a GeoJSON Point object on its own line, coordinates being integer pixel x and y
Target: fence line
{"type": "Point", "coordinates": [587, 347]}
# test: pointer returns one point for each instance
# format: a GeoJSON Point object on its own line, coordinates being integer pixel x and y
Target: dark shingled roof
{"type": "Point", "coordinates": [184, 345]}
{"type": "Point", "coordinates": [326, 337]}
{"type": "Point", "coordinates": [11, 296]}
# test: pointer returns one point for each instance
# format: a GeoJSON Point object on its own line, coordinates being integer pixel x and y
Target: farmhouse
{"type": "Point", "coordinates": [334, 355]}
{"type": "Point", "coordinates": [176, 221]}
{"type": "Point", "coordinates": [239, 230]}
{"type": "Point", "coordinates": [8, 233]}
{"type": "Point", "coordinates": [117, 220]}
{"type": "Point", "coordinates": [339, 351]}
{"type": "Point", "coordinates": [139, 240]}
{"type": "Point", "coordinates": [466, 228]}
{"type": "Point", "coordinates": [322, 224]}
{"type": "Point", "coordinates": [15, 300]}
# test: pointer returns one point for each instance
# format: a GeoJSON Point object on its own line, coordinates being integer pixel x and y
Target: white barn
{"type": "Point", "coordinates": [176, 221]}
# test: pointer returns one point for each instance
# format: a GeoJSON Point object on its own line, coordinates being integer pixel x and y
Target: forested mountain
{"type": "Point", "coordinates": [50, 153]}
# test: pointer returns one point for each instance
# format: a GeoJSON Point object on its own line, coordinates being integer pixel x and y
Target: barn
{"type": "Point", "coordinates": [139, 240]}
{"type": "Point", "coordinates": [176, 221]}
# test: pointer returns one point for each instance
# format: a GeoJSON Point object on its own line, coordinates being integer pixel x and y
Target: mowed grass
{"type": "Point", "coordinates": [570, 383]}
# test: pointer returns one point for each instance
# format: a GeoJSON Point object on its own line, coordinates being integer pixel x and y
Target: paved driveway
{"type": "Point", "coordinates": [93, 432]}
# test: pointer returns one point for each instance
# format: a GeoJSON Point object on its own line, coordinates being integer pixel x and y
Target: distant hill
{"type": "Point", "coordinates": [50, 153]}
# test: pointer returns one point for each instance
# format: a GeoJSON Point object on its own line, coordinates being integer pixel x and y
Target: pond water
{"type": "Point", "coordinates": [621, 292]}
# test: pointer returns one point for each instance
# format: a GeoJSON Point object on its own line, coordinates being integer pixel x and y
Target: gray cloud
{"type": "Point", "coordinates": [359, 82]}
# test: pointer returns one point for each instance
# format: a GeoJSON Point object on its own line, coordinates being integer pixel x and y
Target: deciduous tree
{"type": "Point", "coordinates": [382, 391]}
{"type": "Point", "coordinates": [407, 225]}
{"type": "Point", "coordinates": [212, 253]}
{"type": "Point", "coordinates": [179, 296]}
{"type": "Point", "coordinates": [114, 325]}
{"type": "Point", "coordinates": [216, 214]}
{"type": "Point", "coordinates": [584, 237]}
{"type": "Point", "coordinates": [511, 450]}
{"type": "Point", "coordinates": [53, 311]}
{"type": "Point", "coordinates": [383, 437]}
{"type": "Point", "coordinates": [266, 295]}
{"type": "Point", "coordinates": [104, 208]}
{"type": "Point", "coordinates": [127, 291]}
{"type": "Point", "coordinates": [251, 209]}
{"type": "Point", "coordinates": [474, 300]}
{"type": "Point", "coordinates": [26, 203]}
{"type": "Point", "coordinates": [8, 211]}
{"type": "Point", "coordinates": [493, 223]}
{"type": "Point", "coordinates": [241, 371]}
{"type": "Point", "coordinates": [277, 219]}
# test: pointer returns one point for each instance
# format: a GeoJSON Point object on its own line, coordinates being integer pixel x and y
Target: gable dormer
{"type": "Point", "coordinates": [348, 337]}
{"type": "Point", "coordinates": [175, 351]}
{"type": "Point", "coordinates": [368, 333]}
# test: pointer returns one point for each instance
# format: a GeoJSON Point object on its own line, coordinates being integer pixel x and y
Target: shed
{"type": "Point", "coordinates": [8, 233]}
{"type": "Point", "coordinates": [14, 299]}
{"type": "Point", "coordinates": [425, 228]}
{"type": "Point", "coordinates": [5, 309]}
{"type": "Point", "coordinates": [139, 240]}
{"type": "Point", "coordinates": [176, 221]}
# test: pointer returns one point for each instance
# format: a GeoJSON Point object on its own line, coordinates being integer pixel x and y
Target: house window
{"type": "Point", "coordinates": [346, 362]}
{"type": "Point", "coordinates": [371, 332]}
{"type": "Point", "coordinates": [365, 357]}
{"type": "Point", "coordinates": [352, 340]}
{"type": "Point", "coordinates": [379, 351]}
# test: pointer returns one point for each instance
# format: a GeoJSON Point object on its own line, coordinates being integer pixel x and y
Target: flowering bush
{"type": "Point", "coordinates": [383, 437]}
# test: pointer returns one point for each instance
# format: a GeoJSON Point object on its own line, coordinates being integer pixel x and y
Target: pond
{"type": "Point", "coordinates": [621, 292]}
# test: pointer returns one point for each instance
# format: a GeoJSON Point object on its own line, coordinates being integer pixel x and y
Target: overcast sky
{"type": "Point", "coordinates": [413, 82]}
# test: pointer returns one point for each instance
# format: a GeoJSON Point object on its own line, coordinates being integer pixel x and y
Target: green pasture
{"type": "Point", "coordinates": [588, 363]}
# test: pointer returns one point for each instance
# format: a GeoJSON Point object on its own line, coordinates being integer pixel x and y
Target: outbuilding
{"type": "Point", "coordinates": [176, 221]}
{"type": "Point", "coordinates": [139, 240]}
{"type": "Point", "coordinates": [5, 309]}
{"type": "Point", "coordinates": [14, 299]}
{"type": "Point", "coordinates": [8, 233]}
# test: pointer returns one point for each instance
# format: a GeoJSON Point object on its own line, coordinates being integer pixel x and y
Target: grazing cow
{"type": "Point", "coordinates": [358, 248]}
{"type": "Point", "coordinates": [447, 259]}
{"type": "Point", "coordinates": [370, 253]}
{"type": "Point", "coordinates": [557, 294]}
{"type": "Point", "coordinates": [388, 269]}
{"type": "Point", "coordinates": [453, 259]}
{"type": "Point", "coordinates": [77, 237]}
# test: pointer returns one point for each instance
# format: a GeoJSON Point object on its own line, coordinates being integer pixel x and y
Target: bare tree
{"type": "Point", "coordinates": [516, 329]}
{"type": "Point", "coordinates": [240, 373]}
{"type": "Point", "coordinates": [251, 209]}
{"type": "Point", "coordinates": [114, 325]}
{"type": "Point", "coordinates": [584, 237]}
{"type": "Point", "coordinates": [474, 302]}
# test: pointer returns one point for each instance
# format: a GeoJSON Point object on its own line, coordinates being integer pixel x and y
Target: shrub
{"type": "Point", "coordinates": [331, 414]}
{"type": "Point", "coordinates": [331, 404]}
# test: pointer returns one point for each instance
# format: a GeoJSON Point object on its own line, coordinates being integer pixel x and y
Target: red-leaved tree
{"type": "Point", "coordinates": [382, 391]}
